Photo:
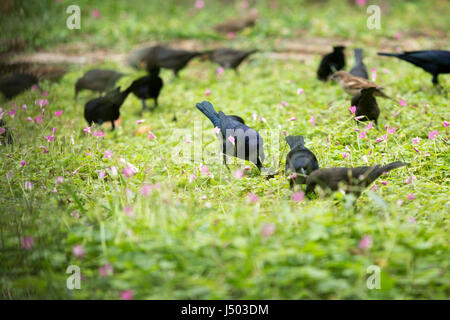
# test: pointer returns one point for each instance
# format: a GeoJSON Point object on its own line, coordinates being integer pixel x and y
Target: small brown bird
{"type": "Point", "coordinates": [352, 180]}
{"type": "Point", "coordinates": [229, 58]}
{"type": "Point", "coordinates": [366, 105]}
{"type": "Point", "coordinates": [353, 85]}
{"type": "Point", "coordinates": [236, 25]}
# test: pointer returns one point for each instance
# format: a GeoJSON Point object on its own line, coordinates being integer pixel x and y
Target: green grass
{"type": "Point", "coordinates": [203, 239]}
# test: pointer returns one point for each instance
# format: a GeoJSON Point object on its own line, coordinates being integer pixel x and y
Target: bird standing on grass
{"type": "Point", "coordinates": [148, 87]}
{"type": "Point", "coordinates": [331, 63]}
{"type": "Point", "coordinates": [352, 180]}
{"type": "Point", "coordinates": [106, 108]}
{"type": "Point", "coordinates": [229, 58]}
{"type": "Point", "coordinates": [359, 68]}
{"type": "Point", "coordinates": [238, 139]}
{"type": "Point", "coordinates": [16, 83]}
{"type": "Point", "coordinates": [353, 85]}
{"type": "Point", "coordinates": [366, 105]}
{"type": "Point", "coordinates": [299, 161]}
{"type": "Point", "coordinates": [238, 24]}
{"type": "Point", "coordinates": [434, 62]}
{"type": "Point", "coordinates": [99, 80]}
{"type": "Point", "coordinates": [6, 136]}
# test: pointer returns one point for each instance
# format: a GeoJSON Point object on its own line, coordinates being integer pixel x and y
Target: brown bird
{"type": "Point", "coordinates": [99, 80]}
{"type": "Point", "coordinates": [228, 58]}
{"type": "Point", "coordinates": [236, 25]}
{"type": "Point", "coordinates": [366, 105]}
{"type": "Point", "coordinates": [352, 180]}
{"type": "Point", "coordinates": [353, 85]}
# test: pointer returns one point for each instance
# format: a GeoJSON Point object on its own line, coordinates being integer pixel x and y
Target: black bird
{"type": "Point", "coordinates": [237, 118]}
{"type": "Point", "coordinates": [99, 80]}
{"type": "Point", "coordinates": [16, 83]}
{"type": "Point", "coordinates": [6, 136]}
{"type": "Point", "coordinates": [359, 68]}
{"type": "Point", "coordinates": [162, 56]}
{"type": "Point", "coordinates": [245, 142]}
{"type": "Point", "coordinates": [331, 63]}
{"type": "Point", "coordinates": [352, 180]}
{"type": "Point", "coordinates": [366, 105]}
{"type": "Point", "coordinates": [300, 160]}
{"type": "Point", "coordinates": [229, 58]}
{"type": "Point", "coordinates": [148, 87]}
{"type": "Point", "coordinates": [434, 62]}
{"type": "Point", "coordinates": [106, 108]}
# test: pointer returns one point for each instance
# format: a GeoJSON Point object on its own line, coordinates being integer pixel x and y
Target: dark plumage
{"type": "Point", "coordinates": [229, 58]}
{"type": "Point", "coordinates": [98, 80]}
{"type": "Point", "coordinates": [163, 57]}
{"type": "Point", "coordinates": [359, 68]}
{"type": "Point", "coordinates": [331, 63]}
{"type": "Point", "coordinates": [148, 87]}
{"type": "Point", "coordinates": [6, 136]}
{"type": "Point", "coordinates": [106, 108]}
{"type": "Point", "coordinates": [300, 160]}
{"type": "Point", "coordinates": [434, 62]}
{"type": "Point", "coordinates": [352, 180]}
{"type": "Point", "coordinates": [16, 83]}
{"type": "Point", "coordinates": [248, 144]}
{"type": "Point", "coordinates": [366, 105]}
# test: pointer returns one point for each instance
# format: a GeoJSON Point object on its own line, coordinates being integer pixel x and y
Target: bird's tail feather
{"type": "Point", "coordinates": [379, 170]}
{"type": "Point", "coordinates": [358, 55]}
{"type": "Point", "coordinates": [294, 141]}
{"type": "Point", "coordinates": [388, 54]}
{"type": "Point", "coordinates": [208, 110]}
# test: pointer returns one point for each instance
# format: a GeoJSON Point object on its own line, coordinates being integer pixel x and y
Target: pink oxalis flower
{"type": "Point", "coordinates": [298, 196]}
{"type": "Point", "coordinates": [432, 134]}
{"type": "Point", "coordinates": [26, 242]}
{"type": "Point", "coordinates": [366, 242]}
{"type": "Point", "coordinates": [58, 113]}
{"type": "Point", "coordinates": [252, 197]}
{"type": "Point", "coordinates": [108, 154]}
{"type": "Point", "coordinates": [78, 251]}
{"type": "Point", "coordinates": [127, 295]}
{"type": "Point", "coordinates": [128, 172]}
{"type": "Point", "coordinates": [95, 13]}
{"type": "Point", "coordinates": [267, 230]}
{"type": "Point", "coordinates": [105, 270]}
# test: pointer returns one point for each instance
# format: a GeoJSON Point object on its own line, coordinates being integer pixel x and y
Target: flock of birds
{"type": "Point", "coordinates": [238, 139]}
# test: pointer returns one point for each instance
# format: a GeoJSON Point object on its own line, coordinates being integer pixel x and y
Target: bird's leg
{"type": "Point", "coordinates": [144, 106]}
{"type": "Point", "coordinates": [113, 125]}
{"type": "Point", "coordinates": [225, 161]}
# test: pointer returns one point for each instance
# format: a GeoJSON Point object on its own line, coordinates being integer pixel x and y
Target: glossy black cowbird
{"type": "Point", "coordinates": [366, 105]}
{"type": "Point", "coordinates": [331, 63]}
{"type": "Point", "coordinates": [238, 140]}
{"type": "Point", "coordinates": [229, 58]}
{"type": "Point", "coordinates": [351, 180]}
{"type": "Point", "coordinates": [148, 87]}
{"type": "Point", "coordinates": [6, 136]}
{"type": "Point", "coordinates": [434, 62]}
{"type": "Point", "coordinates": [99, 80]}
{"type": "Point", "coordinates": [16, 83]}
{"type": "Point", "coordinates": [299, 161]}
{"type": "Point", "coordinates": [359, 68]}
{"type": "Point", "coordinates": [162, 56]}
{"type": "Point", "coordinates": [106, 108]}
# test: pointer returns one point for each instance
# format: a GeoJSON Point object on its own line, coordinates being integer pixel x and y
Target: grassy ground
{"type": "Point", "coordinates": [204, 238]}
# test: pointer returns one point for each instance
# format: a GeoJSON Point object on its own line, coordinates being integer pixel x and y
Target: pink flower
{"type": "Point", "coordinates": [411, 220]}
{"type": "Point", "coordinates": [409, 180]}
{"type": "Point", "coordinates": [361, 3]}
{"type": "Point", "coordinates": [402, 103]}
{"type": "Point", "coordinates": [26, 243]}
{"type": "Point", "coordinates": [50, 138]}
{"type": "Point", "coordinates": [54, 131]}
{"type": "Point", "coordinates": [113, 170]}
{"type": "Point", "coordinates": [416, 140]}
{"type": "Point", "coordinates": [238, 174]}
{"type": "Point", "coordinates": [298, 196]}
{"type": "Point", "coordinates": [373, 74]}
{"type": "Point", "coordinates": [44, 149]}
{"type": "Point", "coordinates": [23, 163]}
{"type": "Point", "coordinates": [391, 130]}
{"type": "Point", "coordinates": [95, 13]}
{"type": "Point", "coordinates": [140, 121]}
{"type": "Point", "coordinates": [254, 116]}
{"type": "Point", "coordinates": [204, 169]}
{"type": "Point", "coordinates": [398, 35]}
{"type": "Point", "coordinates": [43, 103]}
{"type": "Point", "coordinates": [292, 176]}
{"type": "Point", "coordinates": [284, 103]}
{"type": "Point", "coordinates": [375, 188]}
{"type": "Point", "coordinates": [362, 135]}
{"type": "Point", "coordinates": [108, 154]}
{"type": "Point", "coordinates": [188, 141]}
{"type": "Point", "coordinates": [29, 119]}
{"type": "Point", "coordinates": [432, 134]}
{"type": "Point", "coordinates": [98, 134]}
{"type": "Point", "coordinates": [231, 139]}
{"type": "Point", "coordinates": [58, 113]}
{"type": "Point", "coordinates": [105, 270]}
{"type": "Point", "coordinates": [300, 91]}
{"type": "Point", "coordinates": [284, 133]}
{"type": "Point", "coordinates": [2, 130]}
{"type": "Point", "coordinates": [364, 158]}
{"type": "Point", "coordinates": [369, 126]}
{"type": "Point", "coordinates": [126, 295]}
{"type": "Point", "coordinates": [344, 155]}
{"type": "Point", "coordinates": [384, 183]}
{"type": "Point", "coordinates": [146, 189]}
{"type": "Point", "coordinates": [416, 150]}
{"type": "Point", "coordinates": [59, 180]}
{"type": "Point", "coordinates": [352, 109]}
{"type": "Point", "coordinates": [365, 242]}
{"type": "Point", "coordinates": [207, 92]}
{"type": "Point", "coordinates": [252, 197]}
{"type": "Point", "coordinates": [262, 119]}
{"type": "Point", "coordinates": [34, 87]}
{"type": "Point", "coordinates": [12, 113]}
{"type": "Point", "coordinates": [192, 178]}
{"type": "Point", "coordinates": [87, 130]}
{"type": "Point", "coordinates": [78, 251]}
{"type": "Point", "coordinates": [216, 130]}
{"type": "Point", "coordinates": [101, 174]}
{"type": "Point", "coordinates": [129, 211]}
{"type": "Point", "coordinates": [267, 230]}
{"type": "Point", "coordinates": [445, 124]}
{"type": "Point", "coordinates": [382, 138]}
{"type": "Point", "coordinates": [230, 35]}
{"type": "Point", "coordinates": [220, 70]}
{"type": "Point", "coordinates": [45, 94]}
{"type": "Point", "coordinates": [292, 119]}
{"type": "Point", "coordinates": [411, 196]}
{"type": "Point", "coordinates": [396, 114]}
{"type": "Point", "coordinates": [128, 172]}
{"type": "Point", "coordinates": [38, 119]}
{"type": "Point", "coordinates": [312, 121]}
{"type": "Point", "coordinates": [151, 136]}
